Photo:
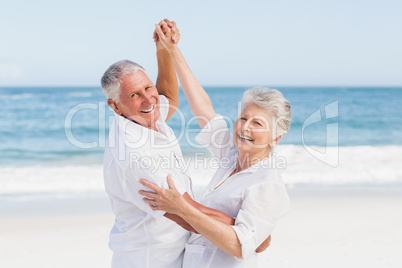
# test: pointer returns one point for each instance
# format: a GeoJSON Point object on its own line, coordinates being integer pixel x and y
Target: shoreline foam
{"type": "Point", "coordinates": [361, 166]}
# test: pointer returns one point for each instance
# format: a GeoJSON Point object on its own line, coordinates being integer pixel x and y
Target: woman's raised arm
{"type": "Point", "coordinates": [198, 99]}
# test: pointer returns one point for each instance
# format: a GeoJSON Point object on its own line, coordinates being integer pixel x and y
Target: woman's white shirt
{"type": "Point", "coordinates": [255, 197]}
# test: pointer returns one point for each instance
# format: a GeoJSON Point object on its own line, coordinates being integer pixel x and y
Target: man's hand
{"type": "Point", "coordinates": [165, 25]}
{"type": "Point", "coordinates": [264, 245]}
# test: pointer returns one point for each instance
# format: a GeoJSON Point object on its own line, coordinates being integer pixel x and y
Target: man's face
{"type": "Point", "coordinates": [139, 100]}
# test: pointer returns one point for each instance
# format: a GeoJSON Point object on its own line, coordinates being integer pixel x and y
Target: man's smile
{"type": "Point", "coordinates": [149, 110]}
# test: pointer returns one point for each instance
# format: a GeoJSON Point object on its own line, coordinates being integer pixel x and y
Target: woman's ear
{"type": "Point", "coordinates": [275, 141]}
{"type": "Point", "coordinates": [114, 106]}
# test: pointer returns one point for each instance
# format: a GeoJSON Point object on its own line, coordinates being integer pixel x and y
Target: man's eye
{"type": "Point", "coordinates": [242, 118]}
{"type": "Point", "coordinates": [134, 94]}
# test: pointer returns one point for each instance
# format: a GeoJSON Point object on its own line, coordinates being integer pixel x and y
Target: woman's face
{"type": "Point", "coordinates": [252, 131]}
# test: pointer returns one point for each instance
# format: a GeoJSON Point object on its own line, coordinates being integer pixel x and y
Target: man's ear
{"type": "Point", "coordinates": [275, 141]}
{"type": "Point", "coordinates": [114, 106]}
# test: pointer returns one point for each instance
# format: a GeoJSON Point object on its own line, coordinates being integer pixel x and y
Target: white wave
{"type": "Point", "coordinates": [40, 179]}
{"type": "Point", "coordinates": [361, 165]}
{"type": "Point", "coordinates": [81, 94]}
{"type": "Point", "coordinates": [357, 165]}
{"type": "Point", "coordinates": [17, 96]}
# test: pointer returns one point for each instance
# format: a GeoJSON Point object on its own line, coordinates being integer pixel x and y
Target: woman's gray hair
{"type": "Point", "coordinates": [273, 102]}
{"type": "Point", "coordinates": [114, 75]}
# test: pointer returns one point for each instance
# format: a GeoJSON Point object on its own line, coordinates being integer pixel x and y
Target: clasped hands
{"type": "Point", "coordinates": [165, 34]}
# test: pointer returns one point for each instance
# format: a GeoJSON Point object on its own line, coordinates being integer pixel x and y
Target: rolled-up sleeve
{"type": "Point", "coordinates": [216, 137]}
{"type": "Point", "coordinates": [263, 206]}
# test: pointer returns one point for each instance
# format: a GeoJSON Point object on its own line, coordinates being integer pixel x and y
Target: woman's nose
{"type": "Point", "coordinates": [245, 126]}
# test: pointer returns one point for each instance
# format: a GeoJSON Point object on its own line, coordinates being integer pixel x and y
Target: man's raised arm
{"type": "Point", "coordinates": [166, 82]}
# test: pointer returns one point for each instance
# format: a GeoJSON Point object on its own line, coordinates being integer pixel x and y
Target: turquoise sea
{"type": "Point", "coordinates": [70, 125]}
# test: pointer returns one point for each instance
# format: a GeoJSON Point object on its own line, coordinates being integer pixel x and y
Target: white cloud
{"type": "Point", "coordinates": [10, 70]}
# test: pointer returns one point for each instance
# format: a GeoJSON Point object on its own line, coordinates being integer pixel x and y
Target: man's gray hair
{"type": "Point", "coordinates": [114, 75]}
{"type": "Point", "coordinates": [273, 102]}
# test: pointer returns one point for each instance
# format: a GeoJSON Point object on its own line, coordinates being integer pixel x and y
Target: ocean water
{"type": "Point", "coordinates": [52, 139]}
{"type": "Point", "coordinates": [61, 125]}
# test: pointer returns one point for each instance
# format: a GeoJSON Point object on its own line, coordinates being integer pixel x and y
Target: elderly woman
{"type": "Point", "coordinates": [245, 186]}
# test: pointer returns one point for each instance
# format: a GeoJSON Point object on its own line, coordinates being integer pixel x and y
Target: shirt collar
{"type": "Point", "coordinates": [137, 133]}
{"type": "Point", "coordinates": [262, 164]}
{"type": "Point", "coordinates": [133, 129]}
{"type": "Point", "coordinates": [257, 166]}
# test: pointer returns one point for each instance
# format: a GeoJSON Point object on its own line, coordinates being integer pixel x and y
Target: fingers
{"type": "Point", "coordinates": [155, 36]}
{"type": "Point", "coordinates": [159, 31]}
{"type": "Point", "coordinates": [176, 35]}
{"type": "Point", "coordinates": [151, 186]}
{"type": "Point", "coordinates": [170, 182]}
{"type": "Point", "coordinates": [152, 204]}
{"type": "Point", "coordinates": [175, 38]}
{"type": "Point", "coordinates": [164, 26]}
{"type": "Point", "coordinates": [148, 194]}
{"type": "Point", "coordinates": [264, 245]}
{"type": "Point", "coordinates": [169, 23]}
{"type": "Point", "coordinates": [174, 29]}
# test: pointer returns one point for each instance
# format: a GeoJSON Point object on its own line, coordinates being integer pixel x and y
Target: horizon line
{"type": "Point", "coordinates": [237, 86]}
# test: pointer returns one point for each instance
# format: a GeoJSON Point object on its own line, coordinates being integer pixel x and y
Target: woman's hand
{"type": "Point", "coordinates": [167, 36]}
{"type": "Point", "coordinates": [169, 200]}
{"type": "Point", "coordinates": [264, 245]}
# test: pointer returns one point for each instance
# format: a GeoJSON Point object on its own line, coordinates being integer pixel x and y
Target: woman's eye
{"type": "Point", "coordinates": [259, 124]}
{"type": "Point", "coordinates": [242, 118]}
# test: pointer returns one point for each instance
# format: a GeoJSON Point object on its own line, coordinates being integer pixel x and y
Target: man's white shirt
{"type": "Point", "coordinates": [142, 237]}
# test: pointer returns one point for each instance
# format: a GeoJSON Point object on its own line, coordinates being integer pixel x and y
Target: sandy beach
{"type": "Point", "coordinates": [349, 216]}
{"type": "Point", "coordinates": [325, 228]}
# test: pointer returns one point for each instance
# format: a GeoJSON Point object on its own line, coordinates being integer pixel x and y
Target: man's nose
{"type": "Point", "coordinates": [146, 98]}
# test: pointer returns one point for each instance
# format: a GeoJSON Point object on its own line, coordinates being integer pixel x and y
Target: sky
{"type": "Point", "coordinates": [243, 43]}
